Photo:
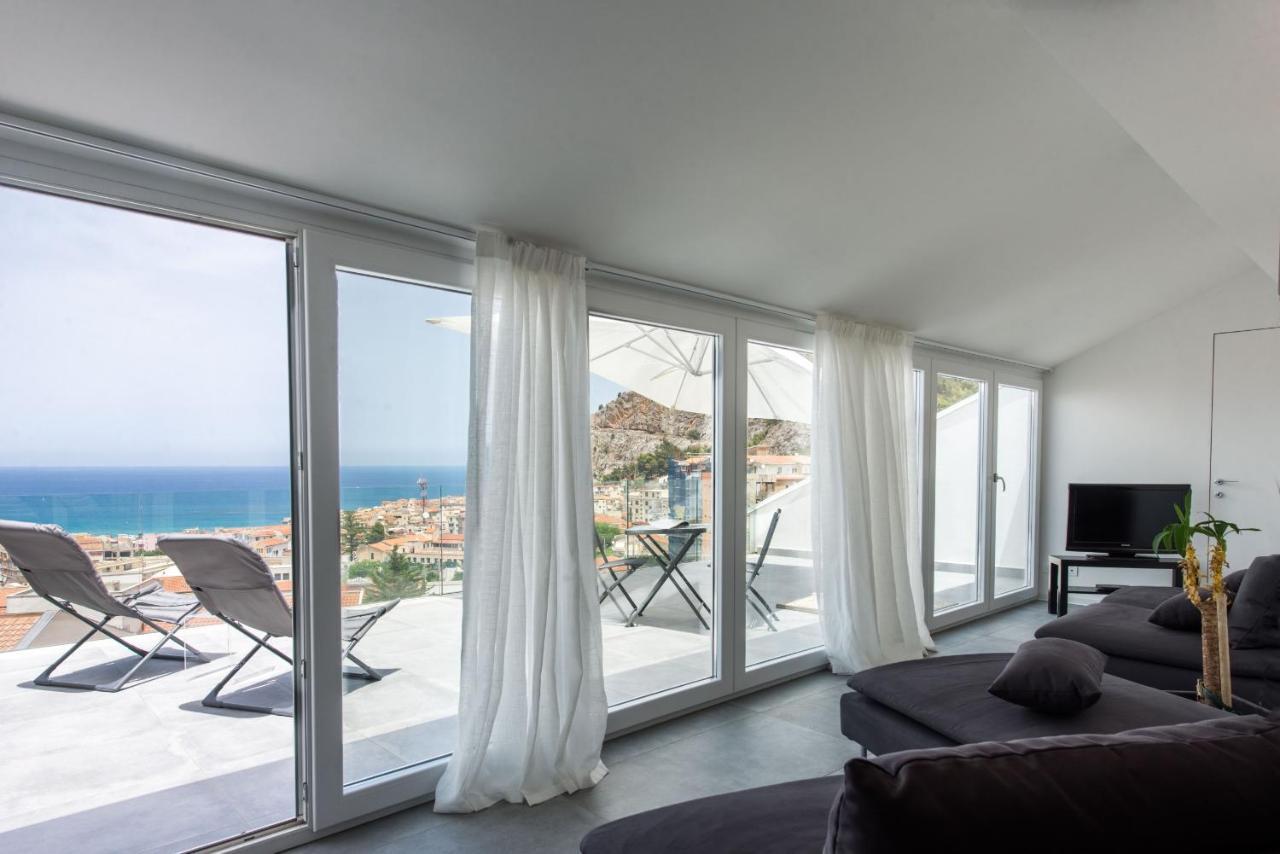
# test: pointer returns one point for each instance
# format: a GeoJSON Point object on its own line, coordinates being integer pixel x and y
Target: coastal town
{"type": "Point", "coordinates": [649, 463]}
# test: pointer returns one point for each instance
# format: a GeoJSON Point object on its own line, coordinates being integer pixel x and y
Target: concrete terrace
{"type": "Point", "coordinates": [153, 768]}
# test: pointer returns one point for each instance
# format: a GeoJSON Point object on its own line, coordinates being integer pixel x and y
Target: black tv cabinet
{"type": "Point", "coordinates": [1060, 565]}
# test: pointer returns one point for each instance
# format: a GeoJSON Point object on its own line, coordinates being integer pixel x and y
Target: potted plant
{"type": "Point", "coordinates": [1214, 686]}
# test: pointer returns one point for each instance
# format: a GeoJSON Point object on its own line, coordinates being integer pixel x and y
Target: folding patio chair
{"type": "Point", "coordinates": [58, 570]}
{"type": "Point", "coordinates": [233, 583]}
{"type": "Point", "coordinates": [758, 603]}
{"type": "Point", "coordinates": [611, 566]}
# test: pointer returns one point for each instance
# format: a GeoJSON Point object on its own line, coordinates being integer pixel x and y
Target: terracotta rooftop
{"type": "Point", "coordinates": [14, 627]}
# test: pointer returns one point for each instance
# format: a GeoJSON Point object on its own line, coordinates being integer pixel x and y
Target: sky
{"type": "Point", "coordinates": [136, 340]}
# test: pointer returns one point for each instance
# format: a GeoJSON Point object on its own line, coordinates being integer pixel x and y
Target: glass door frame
{"type": "Point", "coordinates": [778, 669]}
{"type": "Point", "coordinates": [607, 298]}
{"type": "Point", "coordinates": [1032, 589]}
{"type": "Point", "coordinates": [993, 376]}
{"type": "Point", "coordinates": [325, 253]}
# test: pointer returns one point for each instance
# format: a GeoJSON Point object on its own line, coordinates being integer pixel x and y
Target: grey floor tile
{"type": "Point", "coordinates": [627, 746]}
{"type": "Point", "coordinates": [819, 712]}
{"type": "Point", "coordinates": [554, 827]}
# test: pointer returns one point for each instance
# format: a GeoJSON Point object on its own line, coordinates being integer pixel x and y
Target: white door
{"type": "Point", "coordinates": [979, 440]}
{"type": "Point", "coordinates": [1245, 457]}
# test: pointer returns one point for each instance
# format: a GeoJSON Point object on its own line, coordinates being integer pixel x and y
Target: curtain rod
{"type": "Point", "coordinates": [152, 159]}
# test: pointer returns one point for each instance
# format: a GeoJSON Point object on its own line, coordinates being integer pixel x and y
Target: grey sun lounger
{"type": "Point", "coordinates": [233, 583]}
{"type": "Point", "coordinates": [61, 572]}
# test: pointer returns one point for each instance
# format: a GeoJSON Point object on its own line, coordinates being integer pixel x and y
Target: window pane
{"type": "Point", "coordinates": [957, 491]}
{"type": "Point", "coordinates": [146, 391]}
{"type": "Point", "coordinates": [403, 404]}
{"type": "Point", "coordinates": [653, 432]}
{"type": "Point", "coordinates": [782, 606]}
{"type": "Point", "coordinates": [1014, 467]}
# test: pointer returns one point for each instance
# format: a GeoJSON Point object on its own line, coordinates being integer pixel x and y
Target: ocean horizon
{"type": "Point", "coordinates": [134, 500]}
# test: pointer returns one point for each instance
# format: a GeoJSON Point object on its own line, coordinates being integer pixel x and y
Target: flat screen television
{"type": "Point", "coordinates": [1119, 519]}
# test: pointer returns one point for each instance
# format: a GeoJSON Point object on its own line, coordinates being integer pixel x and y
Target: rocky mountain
{"type": "Point", "coordinates": [631, 425]}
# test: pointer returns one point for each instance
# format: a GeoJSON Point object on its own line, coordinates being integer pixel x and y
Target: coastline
{"type": "Point", "coordinates": [106, 501]}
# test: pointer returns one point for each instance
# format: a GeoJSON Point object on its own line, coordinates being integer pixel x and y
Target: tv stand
{"type": "Point", "coordinates": [1060, 565]}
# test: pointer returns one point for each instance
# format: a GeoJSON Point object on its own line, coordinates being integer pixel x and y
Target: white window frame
{"type": "Point", "coordinates": [994, 374]}
{"type": "Point", "coordinates": [322, 234]}
{"type": "Point", "coordinates": [772, 670]}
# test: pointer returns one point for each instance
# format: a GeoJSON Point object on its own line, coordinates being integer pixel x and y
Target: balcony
{"type": "Point", "coordinates": [153, 770]}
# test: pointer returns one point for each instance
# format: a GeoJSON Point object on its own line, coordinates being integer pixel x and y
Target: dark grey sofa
{"type": "Point", "coordinates": [943, 701]}
{"type": "Point", "coordinates": [1143, 652]}
{"type": "Point", "coordinates": [1128, 791]}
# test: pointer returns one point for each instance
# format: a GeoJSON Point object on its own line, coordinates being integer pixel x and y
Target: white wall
{"type": "Point", "coordinates": [1120, 413]}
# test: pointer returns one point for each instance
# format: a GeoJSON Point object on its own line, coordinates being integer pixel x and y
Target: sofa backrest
{"type": "Point", "coordinates": [1204, 786]}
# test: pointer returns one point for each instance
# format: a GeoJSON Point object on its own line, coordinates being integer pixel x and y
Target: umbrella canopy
{"type": "Point", "coordinates": [676, 368]}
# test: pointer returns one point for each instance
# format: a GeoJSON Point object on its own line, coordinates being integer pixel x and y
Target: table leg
{"type": "Point", "coordinates": [671, 570]}
{"type": "Point", "coordinates": [1053, 587]}
{"type": "Point", "coordinates": [1063, 572]}
{"type": "Point", "coordinates": [653, 591]}
{"type": "Point", "coordinates": [675, 570]}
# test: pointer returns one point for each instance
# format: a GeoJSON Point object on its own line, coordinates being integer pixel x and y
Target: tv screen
{"type": "Point", "coordinates": [1119, 518]}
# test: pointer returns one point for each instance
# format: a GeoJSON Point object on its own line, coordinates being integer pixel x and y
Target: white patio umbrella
{"type": "Point", "coordinates": [677, 369]}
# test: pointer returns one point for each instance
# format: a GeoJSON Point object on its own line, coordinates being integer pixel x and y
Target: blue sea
{"type": "Point", "coordinates": [158, 500]}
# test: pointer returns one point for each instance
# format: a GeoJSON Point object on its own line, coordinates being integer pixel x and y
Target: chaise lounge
{"type": "Point", "coordinates": [59, 570]}
{"type": "Point", "coordinates": [233, 583]}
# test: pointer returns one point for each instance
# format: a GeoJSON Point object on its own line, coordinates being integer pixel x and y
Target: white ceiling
{"type": "Point", "coordinates": [1020, 178]}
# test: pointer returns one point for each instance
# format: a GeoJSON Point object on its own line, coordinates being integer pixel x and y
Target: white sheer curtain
{"type": "Point", "coordinates": [532, 710]}
{"type": "Point", "coordinates": [866, 530]}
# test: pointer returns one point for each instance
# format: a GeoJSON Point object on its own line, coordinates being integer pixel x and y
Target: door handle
{"type": "Point", "coordinates": [995, 478]}
{"type": "Point", "coordinates": [1223, 482]}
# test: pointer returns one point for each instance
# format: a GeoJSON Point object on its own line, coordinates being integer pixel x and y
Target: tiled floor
{"type": "Point", "coordinates": [789, 732]}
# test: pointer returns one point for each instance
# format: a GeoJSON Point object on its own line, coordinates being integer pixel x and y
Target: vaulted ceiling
{"type": "Point", "coordinates": [1023, 178]}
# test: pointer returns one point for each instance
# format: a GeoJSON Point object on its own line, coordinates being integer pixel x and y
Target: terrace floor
{"type": "Point", "coordinates": [152, 769]}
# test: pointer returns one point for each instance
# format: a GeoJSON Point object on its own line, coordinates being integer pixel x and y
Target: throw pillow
{"type": "Point", "coordinates": [1233, 580]}
{"type": "Point", "coordinates": [1053, 675]}
{"type": "Point", "coordinates": [1178, 613]}
{"type": "Point", "coordinates": [1255, 617]}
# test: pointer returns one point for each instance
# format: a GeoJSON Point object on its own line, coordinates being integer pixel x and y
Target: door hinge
{"type": "Point", "coordinates": [304, 791]}
{"type": "Point", "coordinates": [294, 256]}
{"type": "Point", "coordinates": [302, 668]}
{"type": "Point", "coordinates": [302, 461]}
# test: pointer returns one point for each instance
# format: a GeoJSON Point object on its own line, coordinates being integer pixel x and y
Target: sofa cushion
{"type": "Point", "coordinates": [1140, 597]}
{"type": "Point", "coordinates": [948, 694]}
{"type": "Point", "coordinates": [779, 819]}
{"type": "Point", "coordinates": [1123, 630]}
{"type": "Point", "coordinates": [1255, 618]}
{"type": "Point", "coordinates": [1069, 793]}
{"type": "Point", "coordinates": [1053, 675]}
{"type": "Point", "coordinates": [1178, 613]}
{"type": "Point", "coordinates": [881, 730]}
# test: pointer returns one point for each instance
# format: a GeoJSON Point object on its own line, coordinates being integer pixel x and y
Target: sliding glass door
{"type": "Point", "coordinates": [403, 373]}
{"type": "Point", "coordinates": [980, 435]}
{"type": "Point", "coordinates": [779, 590]}
{"type": "Point", "coordinates": [959, 490]}
{"type": "Point", "coordinates": [386, 488]}
{"type": "Point", "coordinates": [146, 388]}
{"type": "Point", "coordinates": [1014, 483]}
